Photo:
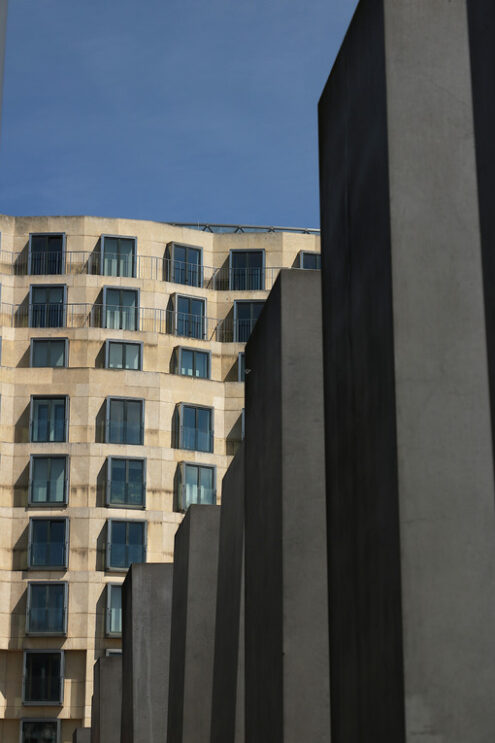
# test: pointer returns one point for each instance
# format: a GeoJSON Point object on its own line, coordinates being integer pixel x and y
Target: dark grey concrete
{"type": "Point", "coordinates": [286, 609]}
{"type": "Point", "coordinates": [107, 700]}
{"type": "Point", "coordinates": [227, 719]}
{"type": "Point", "coordinates": [409, 443]}
{"type": "Point", "coordinates": [147, 618]}
{"type": "Point", "coordinates": [81, 735]}
{"type": "Point", "coordinates": [193, 626]}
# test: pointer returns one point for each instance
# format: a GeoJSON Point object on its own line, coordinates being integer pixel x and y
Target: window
{"type": "Point", "coordinates": [114, 609]}
{"type": "Point", "coordinates": [120, 308]}
{"type": "Point", "coordinates": [245, 315]}
{"type": "Point", "coordinates": [185, 264]}
{"type": "Point", "coordinates": [48, 543]}
{"type": "Point", "coordinates": [118, 255]}
{"type": "Point", "coordinates": [193, 363]}
{"type": "Point", "coordinates": [47, 608]}
{"type": "Point", "coordinates": [48, 480]}
{"type": "Point", "coordinates": [47, 306]}
{"type": "Point", "coordinates": [43, 677]}
{"type": "Point", "coordinates": [126, 543]}
{"type": "Point", "coordinates": [40, 731]}
{"type": "Point", "coordinates": [241, 367]}
{"type": "Point", "coordinates": [309, 260]}
{"type": "Point", "coordinates": [120, 355]}
{"type": "Point", "coordinates": [124, 421]}
{"type": "Point", "coordinates": [113, 651]}
{"type": "Point", "coordinates": [195, 428]}
{"type": "Point", "coordinates": [46, 254]}
{"type": "Point", "coordinates": [190, 317]}
{"type": "Point", "coordinates": [196, 484]}
{"type": "Point", "coordinates": [125, 482]}
{"type": "Point", "coordinates": [49, 418]}
{"type": "Point", "coordinates": [247, 269]}
{"type": "Point", "coordinates": [49, 351]}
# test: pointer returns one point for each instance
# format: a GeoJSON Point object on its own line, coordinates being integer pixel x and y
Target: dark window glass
{"type": "Point", "coordinates": [121, 309]}
{"type": "Point", "coordinates": [43, 677]}
{"type": "Point", "coordinates": [311, 261]}
{"type": "Point", "coordinates": [124, 355]}
{"type": "Point", "coordinates": [125, 421]}
{"type": "Point", "coordinates": [46, 608]}
{"type": "Point", "coordinates": [48, 479]}
{"type": "Point", "coordinates": [190, 319]}
{"type": "Point", "coordinates": [119, 256]}
{"type": "Point", "coordinates": [126, 543]}
{"type": "Point", "coordinates": [47, 307]}
{"type": "Point", "coordinates": [196, 429]}
{"type": "Point", "coordinates": [48, 543]}
{"type": "Point", "coordinates": [39, 731]}
{"type": "Point", "coordinates": [186, 266]}
{"type": "Point", "coordinates": [46, 254]}
{"type": "Point", "coordinates": [48, 352]}
{"type": "Point", "coordinates": [246, 270]}
{"type": "Point", "coordinates": [126, 482]}
{"type": "Point", "coordinates": [114, 610]}
{"type": "Point", "coordinates": [246, 314]}
{"type": "Point", "coordinates": [196, 486]}
{"type": "Point", "coordinates": [48, 419]}
{"type": "Point", "coordinates": [194, 363]}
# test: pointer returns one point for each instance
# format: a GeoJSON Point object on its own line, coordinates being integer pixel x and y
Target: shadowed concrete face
{"type": "Point", "coordinates": [147, 619]}
{"type": "Point", "coordinates": [107, 700]}
{"type": "Point", "coordinates": [82, 735]}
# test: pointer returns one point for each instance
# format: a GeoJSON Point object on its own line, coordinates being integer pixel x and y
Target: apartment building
{"type": "Point", "coordinates": [121, 403]}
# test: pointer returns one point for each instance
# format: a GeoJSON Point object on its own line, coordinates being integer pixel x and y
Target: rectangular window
{"type": "Point", "coordinates": [193, 363]}
{"type": "Point", "coordinates": [49, 352]}
{"type": "Point", "coordinates": [185, 265]}
{"type": "Point", "coordinates": [195, 428]}
{"type": "Point", "coordinates": [47, 306]}
{"type": "Point", "coordinates": [120, 309]}
{"type": "Point", "coordinates": [309, 260]}
{"type": "Point", "coordinates": [47, 608]}
{"type": "Point", "coordinates": [48, 543]}
{"type": "Point", "coordinates": [43, 677]}
{"type": "Point", "coordinates": [190, 317]}
{"type": "Point", "coordinates": [126, 543]}
{"type": "Point", "coordinates": [114, 610]}
{"type": "Point", "coordinates": [126, 482]}
{"type": "Point", "coordinates": [124, 421]}
{"type": "Point", "coordinates": [241, 367]}
{"type": "Point", "coordinates": [118, 256]}
{"type": "Point", "coordinates": [196, 485]}
{"type": "Point", "coordinates": [46, 254]}
{"type": "Point", "coordinates": [247, 270]}
{"type": "Point", "coordinates": [49, 419]}
{"type": "Point", "coordinates": [120, 355]}
{"type": "Point", "coordinates": [48, 479]}
{"type": "Point", "coordinates": [245, 315]}
{"type": "Point", "coordinates": [40, 731]}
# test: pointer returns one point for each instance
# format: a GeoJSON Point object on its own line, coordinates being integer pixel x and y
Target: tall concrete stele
{"type": "Point", "coordinates": [407, 164]}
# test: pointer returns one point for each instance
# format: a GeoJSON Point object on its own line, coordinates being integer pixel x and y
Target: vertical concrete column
{"type": "Point", "coordinates": [107, 700]}
{"type": "Point", "coordinates": [192, 641]}
{"type": "Point", "coordinates": [81, 735]}
{"type": "Point", "coordinates": [147, 618]}
{"type": "Point", "coordinates": [286, 609]}
{"type": "Point", "coordinates": [227, 719]}
{"type": "Point", "coordinates": [409, 319]}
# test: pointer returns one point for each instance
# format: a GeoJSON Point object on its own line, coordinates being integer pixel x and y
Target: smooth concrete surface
{"type": "Point", "coordinates": [227, 718]}
{"type": "Point", "coordinates": [146, 618]}
{"type": "Point", "coordinates": [286, 608]}
{"type": "Point", "coordinates": [408, 429]}
{"type": "Point", "coordinates": [82, 735]}
{"type": "Point", "coordinates": [107, 700]}
{"type": "Point", "coordinates": [192, 644]}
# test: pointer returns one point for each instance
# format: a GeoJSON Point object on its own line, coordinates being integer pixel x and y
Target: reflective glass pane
{"type": "Point", "coordinates": [201, 363]}
{"type": "Point", "coordinates": [117, 481]}
{"type": "Point", "coordinates": [39, 732]}
{"type": "Point", "coordinates": [42, 680]}
{"type": "Point", "coordinates": [57, 479]}
{"type": "Point", "coordinates": [135, 482]}
{"type": "Point", "coordinates": [39, 485]}
{"type": "Point", "coordinates": [115, 609]}
{"type": "Point", "coordinates": [46, 612]}
{"type": "Point", "coordinates": [110, 257]}
{"type": "Point", "coordinates": [204, 427]}
{"type": "Point", "coordinates": [186, 365]}
{"type": "Point", "coordinates": [132, 354]}
{"type": "Point", "coordinates": [116, 422]}
{"type": "Point", "coordinates": [133, 427]}
{"type": "Point", "coordinates": [57, 353]}
{"type": "Point", "coordinates": [41, 353]}
{"type": "Point", "coordinates": [115, 356]}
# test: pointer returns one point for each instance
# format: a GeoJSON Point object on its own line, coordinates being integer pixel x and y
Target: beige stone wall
{"type": "Point", "coordinates": [87, 385]}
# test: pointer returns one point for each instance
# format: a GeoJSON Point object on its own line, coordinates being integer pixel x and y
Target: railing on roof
{"type": "Point", "coordinates": [240, 228]}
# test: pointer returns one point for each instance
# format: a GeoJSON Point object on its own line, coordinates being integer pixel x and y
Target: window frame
{"type": "Point", "coordinates": [56, 720]}
{"type": "Point", "coordinates": [109, 568]}
{"type": "Point", "coordinates": [175, 300]}
{"type": "Point", "coordinates": [40, 703]}
{"type": "Point", "coordinates": [108, 503]}
{"type": "Point", "coordinates": [63, 633]}
{"type": "Point", "coordinates": [35, 339]}
{"type": "Point", "coordinates": [237, 302]}
{"type": "Point", "coordinates": [66, 422]}
{"type": "Point", "coordinates": [180, 407]}
{"type": "Point", "coordinates": [107, 419]}
{"type": "Point", "coordinates": [134, 289]}
{"type": "Point", "coordinates": [102, 254]}
{"type": "Point", "coordinates": [108, 632]}
{"type": "Point", "coordinates": [65, 566]}
{"type": "Point", "coordinates": [126, 343]}
{"type": "Point", "coordinates": [302, 253]}
{"type": "Point", "coordinates": [262, 269]}
{"type": "Point", "coordinates": [112, 651]}
{"type": "Point", "coordinates": [64, 305]}
{"type": "Point", "coordinates": [50, 504]}
{"type": "Point", "coordinates": [182, 481]}
{"type": "Point", "coordinates": [170, 256]}
{"type": "Point", "coordinates": [178, 364]}
{"type": "Point", "coordinates": [63, 235]}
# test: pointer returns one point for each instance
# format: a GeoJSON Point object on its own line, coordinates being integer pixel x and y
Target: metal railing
{"type": "Point", "coordinates": [243, 228]}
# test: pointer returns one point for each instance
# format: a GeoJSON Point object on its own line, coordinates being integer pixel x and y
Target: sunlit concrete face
{"type": "Point", "coordinates": [87, 384]}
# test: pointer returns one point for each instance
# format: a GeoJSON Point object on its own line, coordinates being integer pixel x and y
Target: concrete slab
{"type": "Point", "coordinates": [107, 700]}
{"type": "Point", "coordinates": [81, 735]}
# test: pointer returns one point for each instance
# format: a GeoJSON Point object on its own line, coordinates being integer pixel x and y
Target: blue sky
{"type": "Point", "coordinates": [175, 110]}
